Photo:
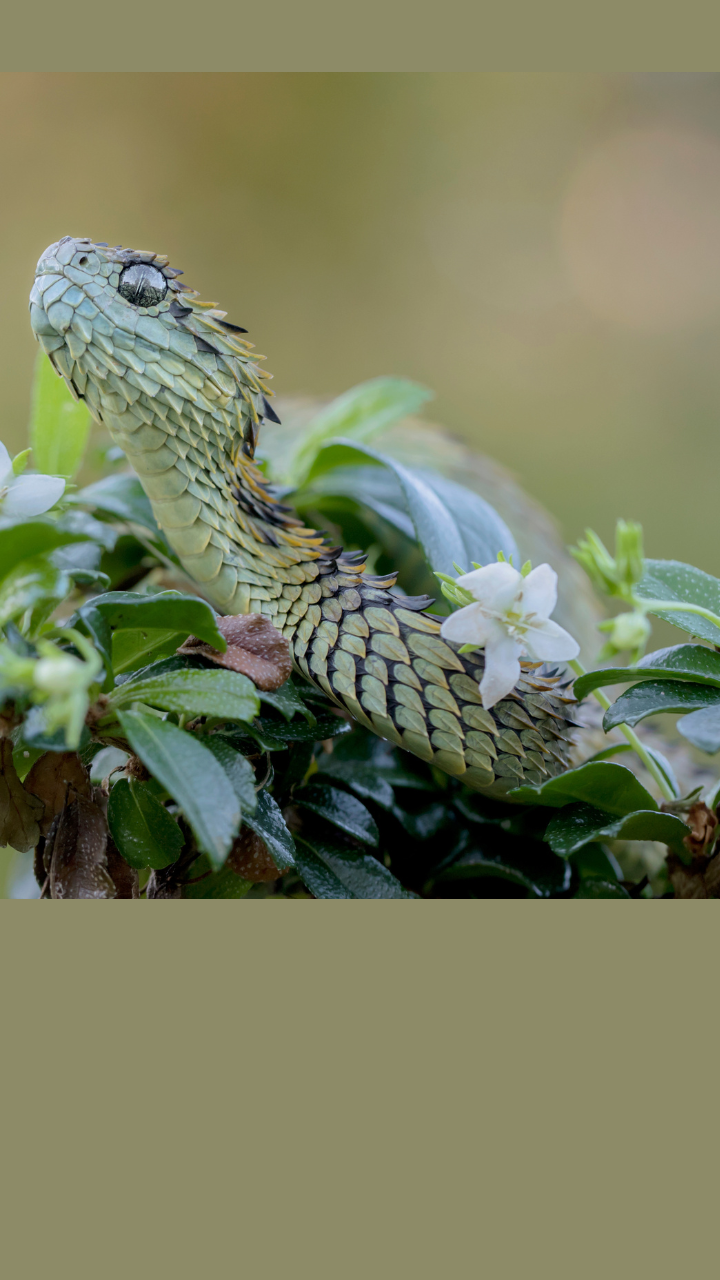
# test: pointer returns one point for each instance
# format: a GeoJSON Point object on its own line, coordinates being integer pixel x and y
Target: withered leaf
{"type": "Point", "coordinates": [77, 847]}
{"type": "Point", "coordinates": [251, 859]}
{"type": "Point", "coordinates": [254, 647]}
{"type": "Point", "coordinates": [124, 877]}
{"type": "Point", "coordinates": [56, 778]}
{"type": "Point", "coordinates": [19, 811]}
{"type": "Point", "coordinates": [702, 823]}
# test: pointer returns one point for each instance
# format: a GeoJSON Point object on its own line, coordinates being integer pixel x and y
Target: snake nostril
{"type": "Point", "coordinates": [82, 262]}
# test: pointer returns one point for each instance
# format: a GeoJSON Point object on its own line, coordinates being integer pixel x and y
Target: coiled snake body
{"type": "Point", "coordinates": [180, 391]}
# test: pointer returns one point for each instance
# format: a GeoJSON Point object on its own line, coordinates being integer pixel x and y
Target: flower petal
{"type": "Point", "coordinates": [539, 591]}
{"type": "Point", "coordinates": [502, 670]}
{"type": "Point", "coordinates": [468, 626]}
{"type": "Point", "coordinates": [495, 585]}
{"type": "Point", "coordinates": [548, 640]}
{"type": "Point", "coordinates": [6, 469]}
{"type": "Point", "coordinates": [31, 495]}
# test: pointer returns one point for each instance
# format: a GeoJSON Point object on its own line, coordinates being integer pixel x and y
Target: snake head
{"type": "Point", "coordinates": [83, 290]}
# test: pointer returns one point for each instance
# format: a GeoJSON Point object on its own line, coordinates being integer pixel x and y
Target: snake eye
{"type": "Point", "coordinates": [142, 285]}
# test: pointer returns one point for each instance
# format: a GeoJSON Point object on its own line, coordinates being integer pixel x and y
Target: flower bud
{"type": "Point", "coordinates": [627, 631]}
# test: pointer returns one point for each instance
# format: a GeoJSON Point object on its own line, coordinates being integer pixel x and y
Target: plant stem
{"type": "Point", "coordinates": [677, 606]}
{"type": "Point", "coordinates": [637, 746]}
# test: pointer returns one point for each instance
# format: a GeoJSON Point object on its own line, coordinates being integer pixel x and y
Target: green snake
{"type": "Point", "coordinates": [180, 390]}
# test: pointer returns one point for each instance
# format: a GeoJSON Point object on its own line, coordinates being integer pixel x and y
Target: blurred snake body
{"type": "Point", "coordinates": [181, 392]}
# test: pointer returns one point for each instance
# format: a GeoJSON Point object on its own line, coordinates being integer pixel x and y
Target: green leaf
{"type": "Point", "coordinates": [130, 610]}
{"type": "Point", "coordinates": [221, 884]}
{"type": "Point", "coordinates": [702, 728]}
{"type": "Point", "coordinates": [597, 861]}
{"type": "Point", "coordinates": [287, 701]}
{"type": "Point", "coordinates": [214, 692]}
{"type": "Point", "coordinates": [672, 580]}
{"type": "Point", "coordinates": [363, 779]}
{"type": "Point", "coordinates": [272, 736]}
{"type": "Point", "coordinates": [330, 872]}
{"type": "Point", "coordinates": [593, 887]}
{"type": "Point", "coordinates": [123, 497]}
{"type": "Point", "coordinates": [168, 609]}
{"type": "Point", "coordinates": [659, 697]}
{"type": "Point", "coordinates": [359, 414]}
{"type": "Point", "coordinates": [342, 810]}
{"type": "Point", "coordinates": [59, 425]}
{"type": "Point", "coordinates": [24, 539]}
{"type": "Point", "coordinates": [602, 783]}
{"type": "Point", "coordinates": [435, 526]}
{"type": "Point", "coordinates": [482, 530]}
{"type": "Point", "coordinates": [143, 830]}
{"type": "Point", "coordinates": [239, 771]}
{"type": "Point", "coordinates": [681, 661]}
{"type": "Point", "coordinates": [134, 649]}
{"type": "Point", "coordinates": [268, 823]}
{"type": "Point", "coordinates": [452, 524]}
{"type": "Point", "coordinates": [29, 583]}
{"type": "Point", "coordinates": [578, 824]}
{"type": "Point", "coordinates": [528, 864]}
{"type": "Point", "coordinates": [191, 775]}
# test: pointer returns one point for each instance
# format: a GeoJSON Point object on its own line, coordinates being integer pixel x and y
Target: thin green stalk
{"type": "Point", "coordinates": [631, 737]}
{"type": "Point", "coordinates": [669, 606]}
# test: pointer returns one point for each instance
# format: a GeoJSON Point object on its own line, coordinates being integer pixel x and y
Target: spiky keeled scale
{"type": "Point", "coordinates": [183, 397]}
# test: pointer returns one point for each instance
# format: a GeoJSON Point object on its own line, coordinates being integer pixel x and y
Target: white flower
{"type": "Point", "coordinates": [26, 495]}
{"type": "Point", "coordinates": [510, 617]}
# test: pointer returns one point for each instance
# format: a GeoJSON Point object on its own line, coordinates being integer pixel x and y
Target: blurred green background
{"type": "Point", "coordinates": [542, 250]}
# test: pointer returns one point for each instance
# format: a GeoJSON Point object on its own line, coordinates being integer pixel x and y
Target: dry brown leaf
{"type": "Point", "coordinates": [76, 852]}
{"type": "Point", "coordinates": [56, 778]}
{"type": "Point", "coordinates": [19, 811]}
{"type": "Point", "coordinates": [702, 823]}
{"type": "Point", "coordinates": [251, 858]}
{"type": "Point", "coordinates": [254, 647]}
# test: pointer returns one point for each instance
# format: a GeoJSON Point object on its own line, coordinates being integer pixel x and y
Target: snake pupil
{"type": "Point", "coordinates": [142, 285]}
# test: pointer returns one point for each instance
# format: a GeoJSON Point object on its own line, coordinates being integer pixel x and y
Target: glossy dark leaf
{"type": "Point", "coordinates": [597, 861]}
{"type": "Point", "coordinates": [219, 885]}
{"type": "Point", "coordinates": [365, 780]}
{"type": "Point", "coordinates": [579, 824]}
{"type": "Point", "coordinates": [201, 692]}
{"type": "Point", "coordinates": [702, 728]}
{"type": "Point", "coordinates": [271, 735]}
{"type": "Point", "coordinates": [169, 610]}
{"type": "Point", "coordinates": [331, 872]}
{"type": "Point", "coordinates": [287, 701]}
{"type": "Point", "coordinates": [594, 887]}
{"type": "Point", "coordinates": [342, 810]}
{"type": "Point", "coordinates": [673, 581]}
{"type": "Point", "coordinates": [602, 783]}
{"type": "Point", "coordinates": [526, 863]}
{"type": "Point", "coordinates": [143, 830]}
{"type": "Point", "coordinates": [680, 662]}
{"type": "Point", "coordinates": [658, 697]}
{"type": "Point", "coordinates": [134, 649]}
{"type": "Point", "coordinates": [239, 771]}
{"type": "Point", "coordinates": [267, 821]}
{"type": "Point", "coordinates": [191, 775]}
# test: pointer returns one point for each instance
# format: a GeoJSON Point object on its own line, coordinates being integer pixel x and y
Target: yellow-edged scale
{"type": "Point", "coordinates": [180, 391]}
